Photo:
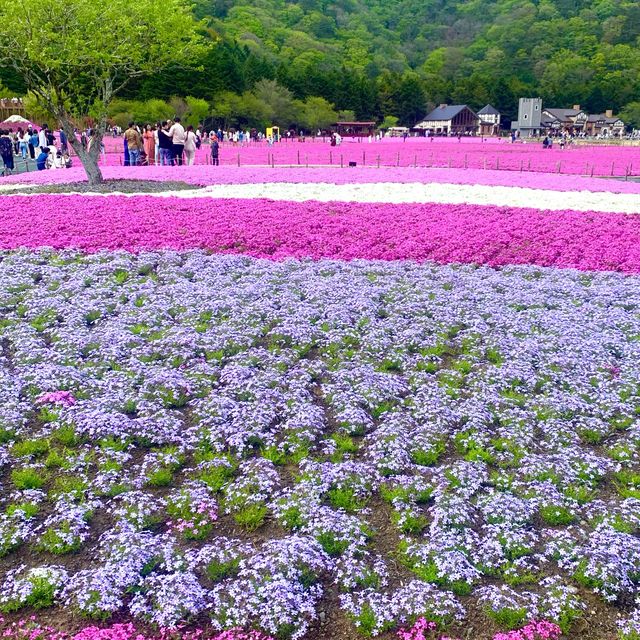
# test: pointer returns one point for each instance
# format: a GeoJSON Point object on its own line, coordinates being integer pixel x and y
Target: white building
{"type": "Point", "coordinates": [489, 121]}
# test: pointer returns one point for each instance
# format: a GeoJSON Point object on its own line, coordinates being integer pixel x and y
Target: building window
{"type": "Point", "coordinates": [526, 116]}
{"type": "Point", "coordinates": [536, 107]}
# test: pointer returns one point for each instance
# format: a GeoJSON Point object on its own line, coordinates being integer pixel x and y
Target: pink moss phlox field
{"type": "Point", "coordinates": [204, 175]}
{"type": "Point", "coordinates": [422, 629]}
{"type": "Point", "coordinates": [535, 630]}
{"type": "Point", "coordinates": [278, 230]}
{"type": "Point", "coordinates": [470, 153]}
{"type": "Point", "coordinates": [30, 629]}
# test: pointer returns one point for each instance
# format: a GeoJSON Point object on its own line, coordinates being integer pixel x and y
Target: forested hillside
{"type": "Point", "coordinates": [381, 58]}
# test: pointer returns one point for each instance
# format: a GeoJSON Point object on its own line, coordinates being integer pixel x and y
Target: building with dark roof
{"type": "Point", "coordinates": [570, 120]}
{"type": "Point", "coordinates": [449, 119]}
{"type": "Point", "coordinates": [355, 129]}
{"type": "Point", "coordinates": [489, 121]}
{"type": "Point", "coordinates": [604, 124]}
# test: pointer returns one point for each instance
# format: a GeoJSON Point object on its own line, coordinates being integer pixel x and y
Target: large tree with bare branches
{"type": "Point", "coordinates": [76, 55]}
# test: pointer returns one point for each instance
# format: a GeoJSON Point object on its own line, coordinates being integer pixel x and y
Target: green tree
{"type": "Point", "coordinates": [631, 115]}
{"type": "Point", "coordinates": [5, 92]}
{"type": "Point", "coordinates": [76, 55]}
{"type": "Point", "coordinates": [197, 110]}
{"type": "Point", "coordinates": [122, 112]}
{"type": "Point", "coordinates": [280, 107]}
{"type": "Point", "coordinates": [231, 109]}
{"type": "Point", "coordinates": [389, 122]}
{"type": "Point", "coordinates": [317, 113]}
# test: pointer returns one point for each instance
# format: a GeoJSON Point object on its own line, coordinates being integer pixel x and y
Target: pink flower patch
{"type": "Point", "coordinates": [57, 397]}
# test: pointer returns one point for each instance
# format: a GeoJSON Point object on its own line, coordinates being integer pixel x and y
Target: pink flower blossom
{"type": "Point", "coordinates": [540, 630]}
{"type": "Point", "coordinates": [57, 397]}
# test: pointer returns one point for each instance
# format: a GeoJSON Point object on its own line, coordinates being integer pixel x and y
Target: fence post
{"type": "Point", "coordinates": [238, 159]}
{"type": "Point", "coordinates": [521, 164]}
{"type": "Point", "coordinates": [306, 160]}
{"type": "Point", "coordinates": [592, 167]}
{"type": "Point", "coordinates": [330, 157]}
{"type": "Point", "coordinates": [498, 163]}
{"type": "Point", "coordinates": [341, 161]}
{"type": "Point", "coordinates": [378, 160]}
{"type": "Point", "coordinates": [273, 161]}
{"type": "Point", "coordinates": [298, 156]}
{"type": "Point", "coordinates": [465, 161]}
{"type": "Point", "coordinates": [398, 159]}
{"type": "Point", "coordinates": [363, 158]}
{"type": "Point", "coordinates": [484, 164]}
{"type": "Point", "coordinates": [613, 164]}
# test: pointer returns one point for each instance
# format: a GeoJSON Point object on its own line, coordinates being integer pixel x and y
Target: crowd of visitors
{"type": "Point", "coordinates": [29, 143]}
{"type": "Point", "coordinates": [170, 143]}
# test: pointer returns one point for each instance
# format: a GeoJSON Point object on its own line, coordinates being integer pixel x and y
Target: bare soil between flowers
{"type": "Point", "coordinates": [110, 186]}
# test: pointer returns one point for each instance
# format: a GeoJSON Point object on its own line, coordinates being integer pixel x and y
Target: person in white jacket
{"type": "Point", "coordinates": [177, 135]}
{"type": "Point", "coordinates": [42, 137]}
{"type": "Point", "coordinates": [190, 146]}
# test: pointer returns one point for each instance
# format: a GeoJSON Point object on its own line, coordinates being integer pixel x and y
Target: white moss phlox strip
{"type": "Point", "coordinates": [397, 193]}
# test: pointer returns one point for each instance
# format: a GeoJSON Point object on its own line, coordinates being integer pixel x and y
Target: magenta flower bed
{"type": "Point", "coordinates": [205, 175]}
{"type": "Point", "coordinates": [604, 160]}
{"type": "Point", "coordinates": [278, 230]}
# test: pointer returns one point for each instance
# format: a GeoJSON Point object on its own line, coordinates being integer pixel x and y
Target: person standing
{"type": "Point", "coordinates": [24, 145]}
{"type": "Point", "coordinates": [134, 144]}
{"type": "Point", "coordinates": [34, 144]}
{"type": "Point", "coordinates": [190, 144]}
{"type": "Point", "coordinates": [156, 143]}
{"type": "Point", "coordinates": [64, 144]}
{"type": "Point", "coordinates": [177, 135]}
{"type": "Point", "coordinates": [215, 150]}
{"type": "Point", "coordinates": [6, 151]}
{"type": "Point", "coordinates": [149, 144]}
{"type": "Point", "coordinates": [18, 140]}
{"type": "Point", "coordinates": [164, 145]}
{"type": "Point", "coordinates": [42, 137]}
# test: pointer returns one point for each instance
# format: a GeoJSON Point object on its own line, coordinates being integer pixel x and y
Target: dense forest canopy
{"type": "Point", "coordinates": [377, 58]}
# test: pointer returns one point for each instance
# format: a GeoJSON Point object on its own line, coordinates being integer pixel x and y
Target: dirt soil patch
{"type": "Point", "coordinates": [110, 186]}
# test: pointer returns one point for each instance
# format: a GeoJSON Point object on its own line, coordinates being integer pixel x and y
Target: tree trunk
{"type": "Point", "coordinates": [90, 157]}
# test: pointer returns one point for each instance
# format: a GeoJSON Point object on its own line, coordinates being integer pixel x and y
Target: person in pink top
{"type": "Point", "coordinates": [149, 141]}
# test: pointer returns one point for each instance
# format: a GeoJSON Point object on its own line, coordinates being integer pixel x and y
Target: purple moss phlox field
{"type": "Point", "coordinates": [482, 423]}
{"type": "Point", "coordinates": [488, 235]}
